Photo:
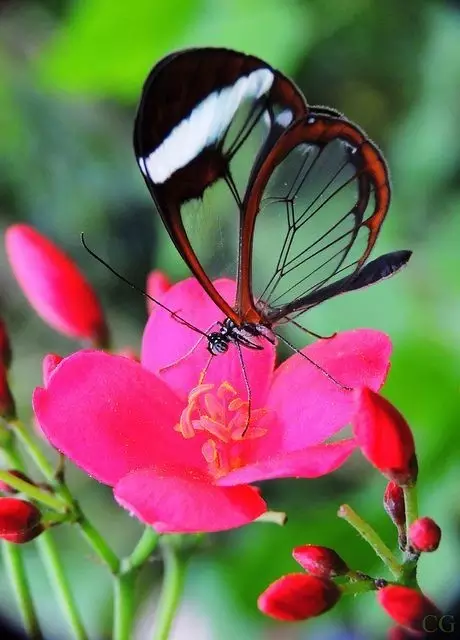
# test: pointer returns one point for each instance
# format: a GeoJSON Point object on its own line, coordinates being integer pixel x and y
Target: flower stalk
{"type": "Point", "coordinates": [173, 584]}
{"type": "Point", "coordinates": [372, 538]}
{"type": "Point", "coordinates": [14, 564]}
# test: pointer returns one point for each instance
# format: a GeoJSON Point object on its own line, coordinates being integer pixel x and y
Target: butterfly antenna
{"type": "Point", "coordinates": [315, 364]}
{"type": "Point", "coordinates": [138, 289]}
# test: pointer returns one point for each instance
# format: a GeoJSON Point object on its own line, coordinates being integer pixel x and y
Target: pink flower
{"type": "Point", "coordinates": [54, 286]}
{"type": "Point", "coordinates": [176, 450]}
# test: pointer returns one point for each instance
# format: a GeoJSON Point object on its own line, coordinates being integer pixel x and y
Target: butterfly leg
{"type": "Point", "coordinates": [312, 333]}
{"type": "Point", "coordinates": [315, 364]}
{"type": "Point", "coordinates": [248, 388]}
{"type": "Point", "coordinates": [190, 351]}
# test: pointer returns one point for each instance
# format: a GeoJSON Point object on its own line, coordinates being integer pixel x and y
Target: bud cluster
{"type": "Point", "coordinates": [386, 440]}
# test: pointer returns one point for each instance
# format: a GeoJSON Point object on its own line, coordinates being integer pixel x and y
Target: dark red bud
{"type": "Point", "coordinates": [320, 561]}
{"type": "Point", "coordinates": [406, 606]}
{"type": "Point", "coordinates": [298, 596]}
{"type": "Point", "coordinates": [6, 488]}
{"type": "Point", "coordinates": [5, 347]}
{"type": "Point", "coordinates": [7, 405]}
{"type": "Point", "coordinates": [393, 502]}
{"type": "Point", "coordinates": [424, 535]}
{"type": "Point", "coordinates": [20, 521]}
{"type": "Point", "coordinates": [384, 437]}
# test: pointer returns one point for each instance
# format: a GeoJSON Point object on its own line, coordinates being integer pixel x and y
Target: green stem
{"type": "Point", "coordinates": [411, 504]}
{"type": "Point", "coordinates": [14, 563]}
{"type": "Point", "coordinates": [33, 449]}
{"type": "Point", "coordinates": [362, 586]}
{"type": "Point", "coordinates": [173, 583]}
{"type": "Point", "coordinates": [32, 491]}
{"type": "Point", "coordinates": [99, 545]}
{"type": "Point", "coordinates": [144, 548]}
{"type": "Point", "coordinates": [372, 538]}
{"type": "Point", "coordinates": [124, 605]}
{"type": "Point", "coordinates": [91, 535]}
{"type": "Point", "coordinates": [51, 560]}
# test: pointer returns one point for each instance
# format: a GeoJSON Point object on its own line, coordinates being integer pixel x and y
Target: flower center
{"type": "Point", "coordinates": [224, 417]}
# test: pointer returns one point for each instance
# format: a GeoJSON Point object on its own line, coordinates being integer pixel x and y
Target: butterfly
{"type": "Point", "coordinates": [213, 117]}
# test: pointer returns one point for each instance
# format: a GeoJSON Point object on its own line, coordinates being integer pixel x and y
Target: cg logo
{"type": "Point", "coordinates": [445, 624]}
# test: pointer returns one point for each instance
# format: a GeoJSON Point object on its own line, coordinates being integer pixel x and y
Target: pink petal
{"type": "Point", "coordinates": [309, 406]}
{"type": "Point", "coordinates": [53, 285]}
{"type": "Point", "coordinates": [166, 341]}
{"type": "Point", "coordinates": [110, 416]}
{"type": "Point", "coordinates": [311, 462]}
{"type": "Point", "coordinates": [187, 503]}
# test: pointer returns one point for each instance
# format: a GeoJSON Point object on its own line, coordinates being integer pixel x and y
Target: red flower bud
{"type": "Point", "coordinates": [19, 520]}
{"type": "Point", "coordinates": [424, 535]}
{"type": "Point", "coordinates": [320, 561]}
{"type": "Point", "coordinates": [385, 437]}
{"type": "Point", "coordinates": [157, 284]}
{"type": "Point", "coordinates": [393, 503]}
{"type": "Point", "coordinates": [406, 606]}
{"type": "Point", "coordinates": [7, 405]}
{"type": "Point", "coordinates": [298, 596]}
{"type": "Point", "coordinates": [54, 286]}
{"type": "Point", "coordinates": [49, 364]}
{"type": "Point", "coordinates": [6, 488]}
{"type": "Point", "coordinates": [5, 348]}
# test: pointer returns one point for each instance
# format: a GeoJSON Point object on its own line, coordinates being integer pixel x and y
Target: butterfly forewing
{"type": "Point", "coordinates": [206, 121]}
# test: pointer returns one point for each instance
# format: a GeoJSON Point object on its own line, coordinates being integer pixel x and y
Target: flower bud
{"type": "Point", "coordinates": [7, 404]}
{"type": "Point", "coordinates": [424, 535]}
{"type": "Point", "coordinates": [5, 348]}
{"type": "Point", "coordinates": [157, 285]}
{"type": "Point", "coordinates": [54, 286]}
{"type": "Point", "coordinates": [49, 364]}
{"type": "Point", "coordinates": [393, 503]}
{"type": "Point", "coordinates": [406, 606]}
{"type": "Point", "coordinates": [19, 520]}
{"type": "Point", "coordinates": [6, 488]}
{"type": "Point", "coordinates": [384, 437]}
{"type": "Point", "coordinates": [298, 596]}
{"type": "Point", "coordinates": [320, 561]}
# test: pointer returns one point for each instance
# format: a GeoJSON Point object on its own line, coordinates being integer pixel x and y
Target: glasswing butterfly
{"type": "Point", "coordinates": [304, 188]}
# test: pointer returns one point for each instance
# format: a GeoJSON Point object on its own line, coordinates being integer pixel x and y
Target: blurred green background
{"type": "Point", "coordinates": [70, 77]}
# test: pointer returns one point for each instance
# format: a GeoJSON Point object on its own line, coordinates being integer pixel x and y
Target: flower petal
{"type": "Point", "coordinates": [110, 416]}
{"type": "Point", "coordinates": [168, 342]}
{"type": "Point", "coordinates": [54, 286]}
{"type": "Point", "coordinates": [310, 407]}
{"type": "Point", "coordinates": [173, 502]}
{"type": "Point", "coordinates": [307, 463]}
